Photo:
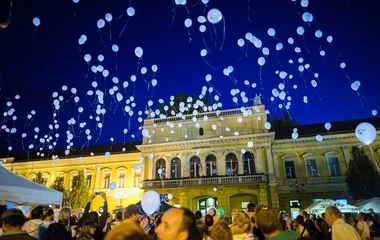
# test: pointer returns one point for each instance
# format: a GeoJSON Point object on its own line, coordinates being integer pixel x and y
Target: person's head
{"type": "Point", "coordinates": [49, 215]}
{"type": "Point", "coordinates": [198, 214]}
{"type": "Point", "coordinates": [132, 212]}
{"type": "Point", "coordinates": [267, 221]}
{"type": "Point", "coordinates": [88, 228]}
{"type": "Point", "coordinates": [242, 221]}
{"type": "Point", "coordinates": [221, 231]}
{"type": "Point", "coordinates": [201, 227]}
{"type": "Point", "coordinates": [127, 230]}
{"type": "Point", "coordinates": [300, 220]}
{"type": "Point", "coordinates": [37, 213]}
{"type": "Point", "coordinates": [93, 217]}
{"type": "Point", "coordinates": [332, 214]}
{"type": "Point", "coordinates": [360, 216]}
{"type": "Point", "coordinates": [57, 231]}
{"type": "Point", "coordinates": [212, 211]}
{"type": "Point", "coordinates": [177, 224]}
{"type": "Point", "coordinates": [64, 215]}
{"type": "Point", "coordinates": [119, 216]}
{"type": "Point", "coordinates": [251, 207]}
{"type": "Point", "coordinates": [371, 211]}
{"type": "Point", "coordinates": [209, 220]}
{"type": "Point", "coordinates": [12, 219]}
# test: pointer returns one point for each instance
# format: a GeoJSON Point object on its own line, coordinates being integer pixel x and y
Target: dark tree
{"type": "Point", "coordinates": [39, 179]}
{"type": "Point", "coordinates": [285, 121]}
{"type": "Point", "coordinates": [362, 178]}
{"type": "Point", "coordinates": [182, 97]}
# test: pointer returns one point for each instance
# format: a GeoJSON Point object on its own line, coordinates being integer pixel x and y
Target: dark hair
{"type": "Point", "coordinates": [3, 208]}
{"type": "Point", "coordinates": [37, 213]}
{"type": "Point", "coordinates": [209, 220]}
{"type": "Point", "coordinates": [16, 220]}
{"type": "Point", "coordinates": [189, 224]}
{"type": "Point", "coordinates": [93, 217]}
{"type": "Point", "coordinates": [57, 231]}
{"type": "Point", "coordinates": [198, 214]}
{"type": "Point", "coordinates": [251, 207]}
{"type": "Point", "coordinates": [119, 215]}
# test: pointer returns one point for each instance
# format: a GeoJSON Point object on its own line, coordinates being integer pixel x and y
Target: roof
{"type": "Point", "coordinates": [314, 129]}
{"type": "Point", "coordinates": [74, 152]}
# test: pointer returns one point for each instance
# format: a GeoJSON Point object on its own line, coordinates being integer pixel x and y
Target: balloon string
{"type": "Point", "coordinates": [204, 43]}
{"type": "Point", "coordinates": [208, 63]}
{"type": "Point", "coordinates": [101, 39]}
{"type": "Point", "coordinates": [174, 14]}
{"type": "Point", "coordinates": [126, 24]}
{"type": "Point", "coordinates": [110, 31]}
{"type": "Point", "coordinates": [224, 33]}
{"type": "Point", "coordinates": [34, 34]}
{"type": "Point", "coordinates": [249, 10]}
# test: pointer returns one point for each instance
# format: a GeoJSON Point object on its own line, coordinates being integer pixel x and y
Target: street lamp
{"type": "Point", "coordinates": [298, 189]}
{"type": "Point", "coordinates": [120, 196]}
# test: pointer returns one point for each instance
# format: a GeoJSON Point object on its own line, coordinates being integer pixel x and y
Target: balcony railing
{"type": "Point", "coordinates": [206, 181]}
{"type": "Point", "coordinates": [312, 180]}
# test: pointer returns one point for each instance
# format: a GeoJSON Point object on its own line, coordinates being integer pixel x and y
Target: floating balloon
{"type": "Point", "coordinates": [328, 126]}
{"type": "Point", "coordinates": [36, 21]}
{"type": "Point", "coordinates": [131, 11]}
{"type": "Point", "coordinates": [139, 52]}
{"type": "Point", "coordinates": [150, 202]}
{"type": "Point", "coordinates": [214, 16]}
{"type": "Point", "coordinates": [366, 133]}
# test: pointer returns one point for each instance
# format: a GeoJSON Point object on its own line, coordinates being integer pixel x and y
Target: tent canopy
{"type": "Point", "coordinates": [365, 205]}
{"type": "Point", "coordinates": [18, 190]}
{"type": "Point", "coordinates": [320, 207]}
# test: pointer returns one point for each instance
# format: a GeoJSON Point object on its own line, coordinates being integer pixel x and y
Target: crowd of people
{"type": "Point", "coordinates": [256, 223]}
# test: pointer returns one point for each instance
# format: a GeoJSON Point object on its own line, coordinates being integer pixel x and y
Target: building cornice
{"type": "Point", "coordinates": [259, 139]}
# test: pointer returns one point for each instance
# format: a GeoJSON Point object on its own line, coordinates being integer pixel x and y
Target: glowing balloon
{"type": "Point", "coordinates": [131, 11]}
{"type": "Point", "coordinates": [101, 23]}
{"type": "Point", "coordinates": [319, 138]}
{"type": "Point", "coordinates": [307, 17]}
{"type": "Point", "coordinates": [139, 52]}
{"type": "Point", "coordinates": [115, 48]}
{"type": "Point", "coordinates": [240, 42]}
{"type": "Point", "coordinates": [214, 16]}
{"type": "Point", "coordinates": [366, 133]}
{"type": "Point", "coordinates": [261, 61]}
{"type": "Point", "coordinates": [188, 22]}
{"type": "Point", "coordinates": [300, 31]}
{"type": "Point", "coordinates": [150, 202]}
{"type": "Point", "coordinates": [36, 21]}
{"type": "Point", "coordinates": [112, 186]}
{"type": "Point", "coordinates": [108, 17]}
{"type": "Point", "coordinates": [328, 126]}
{"type": "Point", "coordinates": [271, 32]}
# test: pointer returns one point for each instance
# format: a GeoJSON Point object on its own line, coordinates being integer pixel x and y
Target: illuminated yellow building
{"type": "Point", "coordinates": [222, 158]}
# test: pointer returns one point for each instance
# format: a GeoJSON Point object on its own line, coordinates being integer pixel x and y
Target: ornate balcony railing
{"type": "Point", "coordinates": [205, 181]}
{"type": "Point", "coordinates": [312, 180]}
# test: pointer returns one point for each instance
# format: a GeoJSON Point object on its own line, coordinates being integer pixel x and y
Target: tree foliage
{"type": "Point", "coordinates": [58, 185]}
{"type": "Point", "coordinates": [174, 106]}
{"type": "Point", "coordinates": [78, 196]}
{"type": "Point", "coordinates": [362, 178]}
{"type": "Point", "coordinates": [39, 179]}
{"type": "Point", "coordinates": [284, 121]}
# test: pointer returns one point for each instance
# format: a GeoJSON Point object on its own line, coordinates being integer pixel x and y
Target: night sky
{"type": "Point", "coordinates": [35, 62]}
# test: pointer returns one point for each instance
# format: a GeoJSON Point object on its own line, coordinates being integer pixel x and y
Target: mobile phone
{"type": "Point", "coordinates": [97, 193]}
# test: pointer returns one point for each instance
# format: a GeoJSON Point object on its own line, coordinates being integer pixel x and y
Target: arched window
{"type": "Point", "coordinates": [195, 167]}
{"type": "Point", "coordinates": [211, 165]}
{"type": "Point", "coordinates": [232, 167]}
{"type": "Point", "coordinates": [175, 168]}
{"type": "Point", "coordinates": [249, 163]}
{"type": "Point", "coordinates": [160, 168]}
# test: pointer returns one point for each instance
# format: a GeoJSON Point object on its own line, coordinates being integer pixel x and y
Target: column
{"type": "Point", "coordinates": [52, 177]}
{"type": "Point", "coordinates": [97, 178]}
{"type": "Point", "coordinates": [275, 203]}
{"type": "Point", "coordinates": [263, 194]}
{"type": "Point", "coordinates": [221, 164]}
{"type": "Point", "coordinates": [185, 168]}
{"type": "Point", "coordinates": [346, 154]}
{"type": "Point", "coordinates": [240, 164]}
{"type": "Point", "coordinates": [272, 176]}
{"type": "Point", "coordinates": [276, 165]}
{"type": "Point", "coordinates": [184, 200]}
{"type": "Point", "coordinates": [222, 200]}
{"type": "Point", "coordinates": [202, 171]}
{"type": "Point", "coordinates": [259, 161]}
{"type": "Point", "coordinates": [167, 169]}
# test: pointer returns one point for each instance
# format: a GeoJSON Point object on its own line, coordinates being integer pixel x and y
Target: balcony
{"type": "Point", "coordinates": [205, 181]}
{"type": "Point", "coordinates": [312, 180]}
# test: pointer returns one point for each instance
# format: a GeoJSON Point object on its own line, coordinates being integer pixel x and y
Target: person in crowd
{"type": "Point", "coordinates": [127, 230]}
{"type": "Point", "coordinates": [202, 230]}
{"type": "Point", "coordinates": [33, 225]}
{"type": "Point", "coordinates": [209, 222]}
{"type": "Point", "coordinates": [3, 208]}
{"type": "Point", "coordinates": [108, 223]}
{"type": "Point", "coordinates": [221, 231]}
{"type": "Point", "coordinates": [282, 218]}
{"type": "Point", "coordinates": [57, 231]}
{"type": "Point", "coordinates": [300, 226]}
{"type": "Point", "coordinates": [87, 231]}
{"type": "Point", "coordinates": [48, 219]}
{"type": "Point", "coordinates": [241, 226]}
{"type": "Point", "coordinates": [198, 214]}
{"type": "Point", "coordinates": [339, 228]}
{"type": "Point", "coordinates": [73, 223]}
{"type": "Point", "coordinates": [133, 212]}
{"type": "Point", "coordinates": [12, 222]}
{"type": "Point", "coordinates": [255, 230]}
{"type": "Point", "coordinates": [374, 217]}
{"type": "Point", "coordinates": [94, 216]}
{"type": "Point", "coordinates": [178, 224]}
{"type": "Point", "coordinates": [362, 226]}
{"type": "Point", "coordinates": [213, 212]}
{"type": "Point", "coordinates": [267, 221]}
{"type": "Point", "coordinates": [118, 219]}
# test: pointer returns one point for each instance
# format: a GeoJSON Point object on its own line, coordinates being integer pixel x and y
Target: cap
{"type": "Point", "coordinates": [133, 209]}
{"type": "Point", "coordinates": [11, 212]}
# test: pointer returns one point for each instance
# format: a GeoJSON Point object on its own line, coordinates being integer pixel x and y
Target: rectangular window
{"type": "Point", "coordinates": [136, 179]}
{"type": "Point", "coordinates": [311, 168]}
{"type": "Point", "coordinates": [73, 180]}
{"type": "Point", "coordinates": [333, 165]}
{"type": "Point", "coordinates": [106, 180]}
{"type": "Point", "coordinates": [88, 180]}
{"type": "Point", "coordinates": [121, 180]}
{"type": "Point", "coordinates": [290, 170]}
{"type": "Point", "coordinates": [244, 205]}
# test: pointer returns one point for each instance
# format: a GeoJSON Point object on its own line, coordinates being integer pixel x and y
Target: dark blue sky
{"type": "Point", "coordinates": [35, 67]}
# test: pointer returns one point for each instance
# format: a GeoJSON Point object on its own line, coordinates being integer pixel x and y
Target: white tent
{"type": "Point", "coordinates": [18, 190]}
{"type": "Point", "coordinates": [373, 203]}
{"type": "Point", "coordinates": [320, 207]}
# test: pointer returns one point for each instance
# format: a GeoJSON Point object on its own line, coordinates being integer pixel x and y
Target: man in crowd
{"type": "Point", "coordinates": [339, 228]}
{"type": "Point", "coordinates": [12, 221]}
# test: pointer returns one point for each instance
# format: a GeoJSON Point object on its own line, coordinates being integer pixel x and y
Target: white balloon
{"type": "Point", "coordinates": [36, 21]}
{"type": "Point", "coordinates": [188, 22]}
{"type": "Point", "coordinates": [131, 11]}
{"type": "Point", "coordinates": [214, 16]}
{"type": "Point", "coordinates": [366, 133]}
{"type": "Point", "coordinates": [150, 202]}
{"type": "Point", "coordinates": [108, 17]}
{"type": "Point", "coordinates": [328, 126]}
{"type": "Point", "coordinates": [139, 52]}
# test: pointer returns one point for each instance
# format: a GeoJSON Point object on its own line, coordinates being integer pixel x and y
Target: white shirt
{"type": "Point", "coordinates": [365, 228]}
{"type": "Point", "coordinates": [343, 231]}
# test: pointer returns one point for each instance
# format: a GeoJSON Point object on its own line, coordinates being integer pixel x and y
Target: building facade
{"type": "Point", "coordinates": [224, 158]}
